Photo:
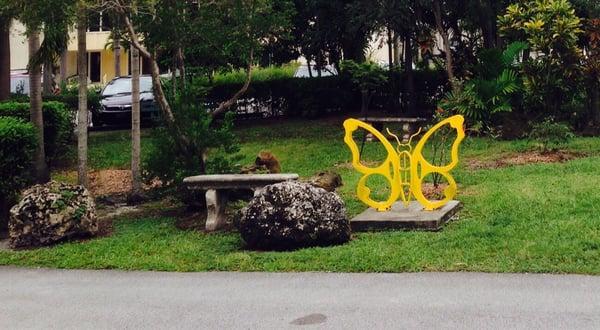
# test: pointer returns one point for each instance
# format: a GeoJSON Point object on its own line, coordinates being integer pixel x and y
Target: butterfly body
{"type": "Point", "coordinates": [405, 167]}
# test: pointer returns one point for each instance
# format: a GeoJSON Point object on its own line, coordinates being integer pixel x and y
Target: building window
{"type": "Point", "coordinates": [99, 21]}
{"type": "Point", "coordinates": [94, 22]}
{"type": "Point", "coordinates": [95, 64]}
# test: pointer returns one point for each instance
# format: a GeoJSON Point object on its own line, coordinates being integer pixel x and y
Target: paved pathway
{"type": "Point", "coordinates": [111, 299]}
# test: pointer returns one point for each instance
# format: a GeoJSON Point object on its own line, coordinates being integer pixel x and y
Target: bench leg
{"type": "Point", "coordinates": [215, 205]}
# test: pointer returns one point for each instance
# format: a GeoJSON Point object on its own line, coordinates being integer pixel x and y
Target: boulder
{"type": "Point", "coordinates": [50, 213]}
{"type": "Point", "coordinates": [291, 215]}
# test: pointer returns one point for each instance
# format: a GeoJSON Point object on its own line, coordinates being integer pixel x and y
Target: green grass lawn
{"type": "Point", "coordinates": [530, 218]}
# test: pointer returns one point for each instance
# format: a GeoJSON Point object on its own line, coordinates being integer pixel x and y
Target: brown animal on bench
{"type": "Point", "coordinates": [265, 162]}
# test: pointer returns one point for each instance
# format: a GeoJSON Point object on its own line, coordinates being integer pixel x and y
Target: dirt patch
{"type": "Point", "coordinates": [432, 192]}
{"type": "Point", "coordinates": [110, 182]}
{"type": "Point", "coordinates": [114, 182]}
{"type": "Point", "coordinates": [194, 221]}
{"type": "Point", "coordinates": [524, 158]}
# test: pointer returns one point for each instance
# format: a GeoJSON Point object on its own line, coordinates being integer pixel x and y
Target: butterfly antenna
{"type": "Point", "coordinates": [413, 136]}
{"type": "Point", "coordinates": [395, 137]}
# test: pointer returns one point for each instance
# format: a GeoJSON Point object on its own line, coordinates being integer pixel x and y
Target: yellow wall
{"type": "Point", "coordinates": [71, 64]}
{"type": "Point", "coordinates": [107, 64]}
{"type": "Point", "coordinates": [19, 54]}
{"type": "Point", "coordinates": [95, 40]}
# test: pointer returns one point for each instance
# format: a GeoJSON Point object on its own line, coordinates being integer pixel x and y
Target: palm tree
{"type": "Point", "coordinates": [136, 188]}
{"type": "Point", "coordinates": [40, 168]}
{"type": "Point", "coordinates": [4, 57]}
{"type": "Point", "coordinates": [82, 113]}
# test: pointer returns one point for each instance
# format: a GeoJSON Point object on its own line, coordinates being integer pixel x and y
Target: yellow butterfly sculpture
{"type": "Point", "coordinates": [404, 169]}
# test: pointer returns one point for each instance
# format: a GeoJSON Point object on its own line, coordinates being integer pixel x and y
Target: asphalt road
{"type": "Point", "coordinates": [112, 299]}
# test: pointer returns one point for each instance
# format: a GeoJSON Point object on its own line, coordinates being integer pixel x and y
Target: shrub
{"type": "Point", "coordinates": [17, 145]}
{"type": "Point", "coordinates": [552, 30]}
{"type": "Point", "coordinates": [368, 77]}
{"type": "Point", "coordinates": [70, 99]}
{"type": "Point", "coordinates": [58, 125]}
{"type": "Point", "coordinates": [171, 163]}
{"type": "Point", "coordinates": [321, 96]}
{"type": "Point", "coordinates": [491, 90]}
{"type": "Point", "coordinates": [550, 135]}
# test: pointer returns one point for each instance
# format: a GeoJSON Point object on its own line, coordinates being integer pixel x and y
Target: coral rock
{"type": "Point", "coordinates": [51, 213]}
{"type": "Point", "coordinates": [292, 215]}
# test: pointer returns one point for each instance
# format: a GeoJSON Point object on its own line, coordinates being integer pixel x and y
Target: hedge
{"type": "Point", "coordinates": [69, 99]}
{"type": "Point", "coordinates": [319, 96]}
{"type": "Point", "coordinates": [58, 125]}
{"type": "Point", "coordinates": [17, 145]}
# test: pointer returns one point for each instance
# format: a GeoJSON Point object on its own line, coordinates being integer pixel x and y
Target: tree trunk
{"type": "Point", "coordinates": [63, 66]}
{"type": "Point", "coordinates": [390, 44]}
{"type": "Point", "coordinates": [364, 107]}
{"type": "Point", "coordinates": [437, 11]}
{"type": "Point", "coordinates": [181, 66]}
{"type": "Point", "coordinates": [487, 21]}
{"type": "Point", "coordinates": [4, 58]}
{"type": "Point", "coordinates": [136, 187]}
{"type": "Point", "coordinates": [40, 168]}
{"type": "Point", "coordinates": [408, 70]}
{"type": "Point", "coordinates": [47, 80]}
{"type": "Point", "coordinates": [82, 113]}
{"type": "Point", "coordinates": [117, 50]}
{"type": "Point", "coordinates": [595, 104]}
{"type": "Point", "coordinates": [397, 51]}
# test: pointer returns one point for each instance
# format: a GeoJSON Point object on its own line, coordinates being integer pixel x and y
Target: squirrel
{"type": "Point", "coordinates": [265, 161]}
{"type": "Point", "coordinates": [329, 181]}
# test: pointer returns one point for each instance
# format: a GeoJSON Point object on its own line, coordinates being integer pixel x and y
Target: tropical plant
{"type": "Point", "coordinates": [591, 68]}
{"type": "Point", "coordinates": [491, 90]}
{"type": "Point", "coordinates": [550, 135]}
{"type": "Point", "coordinates": [367, 77]}
{"type": "Point", "coordinates": [552, 30]}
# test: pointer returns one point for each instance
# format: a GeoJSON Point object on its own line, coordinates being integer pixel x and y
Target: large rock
{"type": "Point", "coordinates": [292, 215]}
{"type": "Point", "coordinates": [51, 213]}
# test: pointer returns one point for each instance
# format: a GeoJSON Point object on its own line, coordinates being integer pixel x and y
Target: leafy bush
{"type": "Point", "coordinates": [368, 77]}
{"type": "Point", "coordinates": [70, 99]}
{"type": "Point", "coordinates": [321, 96]}
{"type": "Point", "coordinates": [552, 30]}
{"type": "Point", "coordinates": [492, 88]}
{"type": "Point", "coordinates": [17, 145]}
{"type": "Point", "coordinates": [550, 135]}
{"type": "Point", "coordinates": [260, 74]}
{"type": "Point", "coordinates": [171, 163]}
{"type": "Point", "coordinates": [58, 125]}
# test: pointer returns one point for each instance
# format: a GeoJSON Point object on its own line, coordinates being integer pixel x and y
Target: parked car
{"type": "Point", "coordinates": [303, 72]}
{"type": "Point", "coordinates": [115, 102]}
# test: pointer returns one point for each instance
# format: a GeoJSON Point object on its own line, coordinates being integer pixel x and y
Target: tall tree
{"type": "Point", "coordinates": [136, 188]}
{"type": "Point", "coordinates": [40, 167]}
{"type": "Point", "coordinates": [227, 32]}
{"type": "Point", "coordinates": [117, 53]}
{"type": "Point", "coordinates": [5, 21]}
{"type": "Point", "coordinates": [82, 112]}
{"type": "Point", "coordinates": [443, 31]}
{"type": "Point", "coordinates": [53, 18]}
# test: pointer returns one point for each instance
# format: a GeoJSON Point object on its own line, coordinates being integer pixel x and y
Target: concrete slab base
{"type": "Point", "coordinates": [402, 218]}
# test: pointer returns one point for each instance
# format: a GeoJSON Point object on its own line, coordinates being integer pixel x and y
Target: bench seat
{"type": "Point", "coordinates": [216, 186]}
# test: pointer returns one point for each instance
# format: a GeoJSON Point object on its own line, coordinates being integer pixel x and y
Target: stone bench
{"type": "Point", "coordinates": [217, 185]}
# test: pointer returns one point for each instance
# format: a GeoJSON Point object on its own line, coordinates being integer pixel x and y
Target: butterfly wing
{"type": "Point", "coordinates": [420, 167]}
{"type": "Point", "coordinates": [389, 168]}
